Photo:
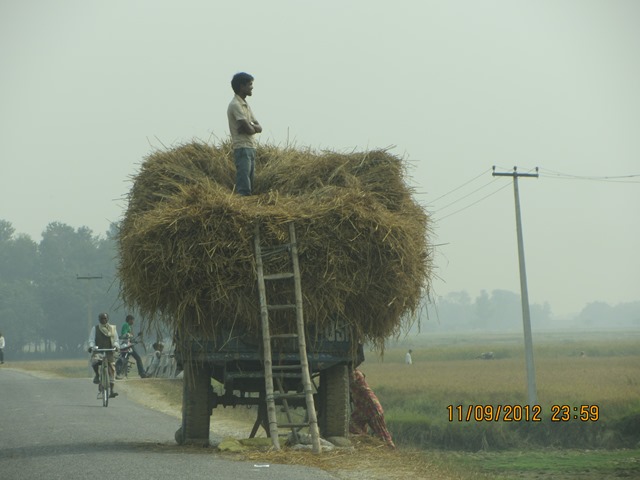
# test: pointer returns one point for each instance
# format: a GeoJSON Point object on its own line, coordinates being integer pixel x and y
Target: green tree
{"type": "Point", "coordinates": [484, 309]}
{"type": "Point", "coordinates": [41, 299]}
{"type": "Point", "coordinates": [21, 314]}
{"type": "Point", "coordinates": [65, 254]}
{"type": "Point", "coordinates": [6, 231]}
{"type": "Point", "coordinates": [596, 314]}
{"type": "Point", "coordinates": [456, 311]}
{"type": "Point", "coordinates": [19, 308]}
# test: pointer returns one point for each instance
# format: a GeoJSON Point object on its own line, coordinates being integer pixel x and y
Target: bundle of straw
{"type": "Point", "coordinates": [187, 252]}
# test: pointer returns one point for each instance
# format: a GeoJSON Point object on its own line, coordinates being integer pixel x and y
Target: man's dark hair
{"type": "Point", "coordinates": [240, 79]}
{"type": "Point", "coordinates": [129, 317]}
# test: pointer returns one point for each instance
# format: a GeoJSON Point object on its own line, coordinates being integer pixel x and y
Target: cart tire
{"type": "Point", "coordinates": [334, 402]}
{"type": "Point", "coordinates": [196, 413]}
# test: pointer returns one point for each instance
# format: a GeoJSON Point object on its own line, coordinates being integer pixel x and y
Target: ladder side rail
{"type": "Point", "coordinates": [266, 344]}
{"type": "Point", "coordinates": [304, 361]}
{"type": "Point", "coordinates": [285, 407]}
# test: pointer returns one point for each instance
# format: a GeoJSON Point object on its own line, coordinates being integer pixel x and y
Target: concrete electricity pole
{"type": "Point", "coordinates": [526, 315]}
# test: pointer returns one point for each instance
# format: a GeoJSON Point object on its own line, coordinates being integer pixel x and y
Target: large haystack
{"type": "Point", "coordinates": [186, 243]}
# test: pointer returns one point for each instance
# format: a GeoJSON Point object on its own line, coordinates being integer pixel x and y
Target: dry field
{"type": "Point", "coordinates": [416, 397]}
{"type": "Point", "coordinates": [610, 382]}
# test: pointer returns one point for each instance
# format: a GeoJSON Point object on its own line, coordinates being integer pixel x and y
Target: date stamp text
{"type": "Point", "coordinates": [522, 413]}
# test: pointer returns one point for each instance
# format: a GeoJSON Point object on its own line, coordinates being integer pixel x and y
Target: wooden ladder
{"type": "Point", "coordinates": [285, 370]}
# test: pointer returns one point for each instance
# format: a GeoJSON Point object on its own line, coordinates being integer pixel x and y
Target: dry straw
{"type": "Point", "coordinates": [186, 242]}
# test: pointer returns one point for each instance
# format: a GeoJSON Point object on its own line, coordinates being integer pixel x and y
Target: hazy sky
{"type": "Point", "coordinates": [88, 88]}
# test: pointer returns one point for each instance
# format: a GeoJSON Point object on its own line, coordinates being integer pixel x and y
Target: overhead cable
{"type": "Point", "coordinates": [476, 202]}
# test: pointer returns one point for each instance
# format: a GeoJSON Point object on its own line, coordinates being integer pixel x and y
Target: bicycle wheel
{"type": "Point", "coordinates": [105, 383]}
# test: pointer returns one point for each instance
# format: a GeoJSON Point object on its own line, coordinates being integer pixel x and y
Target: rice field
{"type": "Point", "coordinates": [441, 400]}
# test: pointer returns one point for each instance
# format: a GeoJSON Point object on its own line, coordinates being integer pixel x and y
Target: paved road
{"type": "Point", "coordinates": [57, 429]}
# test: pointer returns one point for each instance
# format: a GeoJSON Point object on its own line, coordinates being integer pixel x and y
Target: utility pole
{"type": "Point", "coordinates": [526, 315]}
{"type": "Point", "coordinates": [88, 278]}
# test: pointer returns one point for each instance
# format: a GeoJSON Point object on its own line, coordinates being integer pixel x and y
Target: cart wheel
{"type": "Point", "coordinates": [179, 436]}
{"type": "Point", "coordinates": [196, 414]}
{"type": "Point", "coordinates": [334, 402]}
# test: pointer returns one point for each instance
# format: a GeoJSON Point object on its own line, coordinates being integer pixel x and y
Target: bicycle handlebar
{"type": "Point", "coordinates": [103, 350]}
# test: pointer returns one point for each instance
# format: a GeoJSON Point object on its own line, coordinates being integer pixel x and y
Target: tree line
{"type": "Point", "coordinates": [501, 310]}
{"type": "Point", "coordinates": [44, 306]}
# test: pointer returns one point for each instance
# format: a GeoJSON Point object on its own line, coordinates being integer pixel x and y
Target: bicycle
{"type": "Point", "coordinates": [104, 377]}
{"type": "Point", "coordinates": [125, 361]}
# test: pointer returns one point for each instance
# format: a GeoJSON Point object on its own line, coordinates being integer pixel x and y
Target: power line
{"type": "Point", "coordinates": [596, 178]}
{"type": "Point", "coordinates": [458, 188]}
{"type": "Point", "coordinates": [549, 174]}
{"type": "Point", "coordinates": [474, 203]}
{"type": "Point", "coordinates": [486, 196]}
{"type": "Point", "coordinates": [465, 196]}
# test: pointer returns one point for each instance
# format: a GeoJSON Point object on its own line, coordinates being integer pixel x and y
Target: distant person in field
{"type": "Point", "coordinates": [243, 126]}
{"type": "Point", "coordinates": [407, 358]}
{"type": "Point", "coordinates": [367, 411]}
{"type": "Point", "coordinates": [1, 348]}
{"type": "Point", "coordinates": [486, 356]}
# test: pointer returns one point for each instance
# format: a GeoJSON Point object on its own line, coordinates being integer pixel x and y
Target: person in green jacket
{"type": "Point", "coordinates": [126, 335]}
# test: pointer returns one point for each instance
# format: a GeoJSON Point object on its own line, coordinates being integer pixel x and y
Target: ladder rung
{"type": "Point", "coordinates": [276, 248]}
{"type": "Point", "coordinates": [260, 374]}
{"type": "Point", "coordinates": [234, 375]}
{"type": "Point", "coordinates": [295, 375]}
{"type": "Point", "coordinates": [287, 306]}
{"type": "Point", "coordinates": [278, 276]}
{"type": "Point", "coordinates": [292, 425]}
{"type": "Point", "coordinates": [285, 335]}
{"type": "Point", "coordinates": [288, 395]}
{"type": "Point", "coordinates": [286, 367]}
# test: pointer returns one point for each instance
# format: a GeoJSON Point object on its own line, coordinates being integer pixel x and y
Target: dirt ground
{"type": "Point", "coordinates": [223, 422]}
{"type": "Point", "coordinates": [366, 459]}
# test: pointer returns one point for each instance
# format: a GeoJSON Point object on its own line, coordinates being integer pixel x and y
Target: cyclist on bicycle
{"type": "Point", "coordinates": [104, 335]}
{"type": "Point", "coordinates": [126, 335]}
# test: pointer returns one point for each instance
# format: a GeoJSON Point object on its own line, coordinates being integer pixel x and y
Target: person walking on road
{"type": "Point", "coordinates": [104, 335]}
{"type": "Point", "coordinates": [243, 127]}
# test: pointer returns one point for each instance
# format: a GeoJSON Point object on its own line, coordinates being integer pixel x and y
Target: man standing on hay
{"type": "Point", "coordinates": [243, 127]}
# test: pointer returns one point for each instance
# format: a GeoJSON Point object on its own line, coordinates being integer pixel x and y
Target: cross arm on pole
{"type": "Point", "coordinates": [515, 173]}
